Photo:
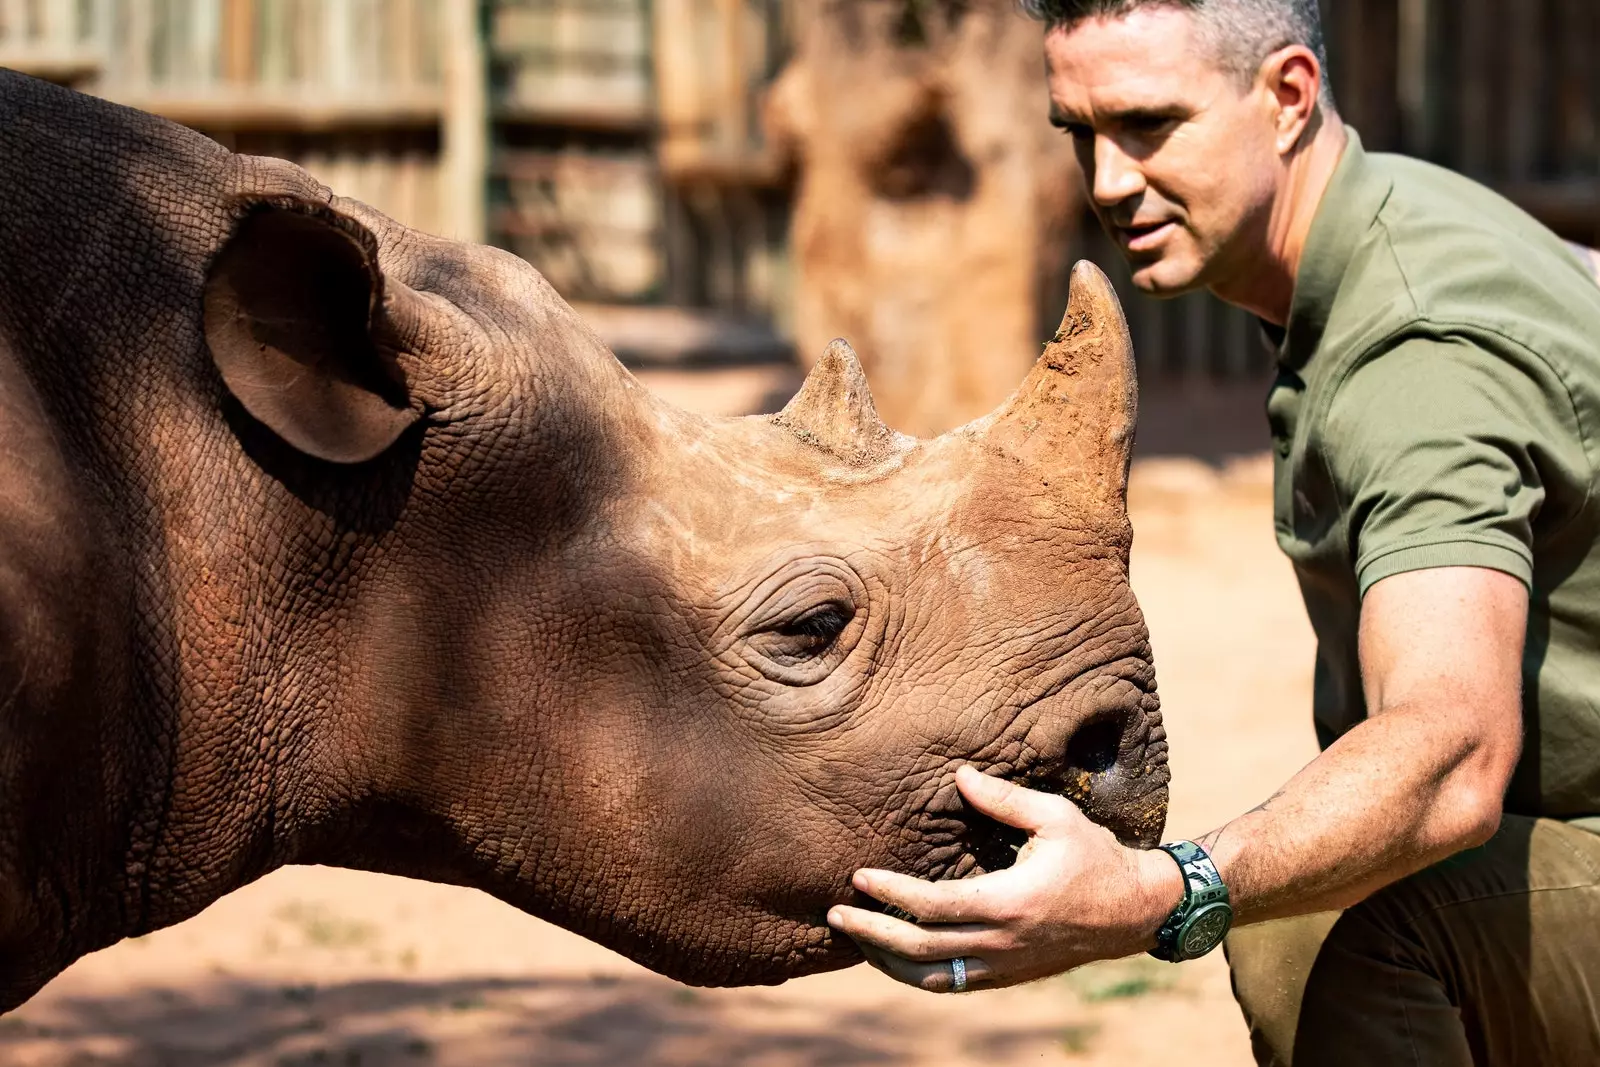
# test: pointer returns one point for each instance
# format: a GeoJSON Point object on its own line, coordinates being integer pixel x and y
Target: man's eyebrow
{"type": "Point", "coordinates": [1123, 116]}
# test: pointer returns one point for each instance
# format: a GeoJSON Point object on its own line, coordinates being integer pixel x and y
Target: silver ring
{"type": "Point", "coordinates": [958, 975]}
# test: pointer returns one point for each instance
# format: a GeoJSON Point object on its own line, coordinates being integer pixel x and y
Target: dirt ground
{"type": "Point", "coordinates": [320, 966]}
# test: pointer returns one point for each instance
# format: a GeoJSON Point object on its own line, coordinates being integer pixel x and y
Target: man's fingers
{"type": "Point", "coordinates": [918, 944]}
{"type": "Point", "coordinates": [935, 977]}
{"type": "Point", "coordinates": [969, 900]}
{"type": "Point", "coordinates": [1026, 809]}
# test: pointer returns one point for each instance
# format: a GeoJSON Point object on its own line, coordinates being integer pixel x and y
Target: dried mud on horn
{"type": "Point", "coordinates": [1073, 417]}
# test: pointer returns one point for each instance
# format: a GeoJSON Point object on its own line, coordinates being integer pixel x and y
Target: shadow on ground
{"type": "Point", "coordinates": [560, 1022]}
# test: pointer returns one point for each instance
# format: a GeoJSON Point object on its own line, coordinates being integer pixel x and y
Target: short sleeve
{"type": "Point", "coordinates": [1437, 448]}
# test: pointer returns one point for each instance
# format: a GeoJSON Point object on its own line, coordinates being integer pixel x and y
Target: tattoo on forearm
{"type": "Point", "coordinates": [1210, 841]}
{"type": "Point", "coordinates": [1266, 804]}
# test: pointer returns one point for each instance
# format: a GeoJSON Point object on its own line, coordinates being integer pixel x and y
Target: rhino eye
{"type": "Point", "coordinates": [799, 624]}
{"type": "Point", "coordinates": [818, 628]}
{"type": "Point", "coordinates": [804, 637]}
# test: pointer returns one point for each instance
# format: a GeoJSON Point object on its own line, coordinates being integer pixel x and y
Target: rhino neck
{"type": "Point", "coordinates": [105, 216]}
{"type": "Point", "coordinates": [288, 661]}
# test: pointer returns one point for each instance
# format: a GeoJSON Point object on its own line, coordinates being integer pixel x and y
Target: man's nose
{"type": "Point", "coordinates": [1117, 176]}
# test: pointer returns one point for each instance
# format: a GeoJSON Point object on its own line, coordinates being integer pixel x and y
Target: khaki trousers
{"type": "Point", "coordinates": [1489, 958]}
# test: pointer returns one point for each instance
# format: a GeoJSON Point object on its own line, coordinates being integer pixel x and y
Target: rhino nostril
{"type": "Point", "coordinates": [1094, 748]}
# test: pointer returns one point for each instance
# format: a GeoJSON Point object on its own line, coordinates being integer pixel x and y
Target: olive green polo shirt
{"type": "Point", "coordinates": [1438, 404]}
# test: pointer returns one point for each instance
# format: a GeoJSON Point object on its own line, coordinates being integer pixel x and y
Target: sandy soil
{"type": "Point", "coordinates": [320, 966]}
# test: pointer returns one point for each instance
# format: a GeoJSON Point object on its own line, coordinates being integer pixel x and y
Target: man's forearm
{"type": "Point", "coordinates": [1388, 799]}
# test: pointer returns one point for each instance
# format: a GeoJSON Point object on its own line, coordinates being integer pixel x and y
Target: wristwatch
{"type": "Point", "coordinates": [1202, 919]}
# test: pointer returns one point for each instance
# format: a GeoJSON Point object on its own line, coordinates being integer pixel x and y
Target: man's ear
{"type": "Point", "coordinates": [1294, 76]}
{"type": "Point", "coordinates": [293, 310]}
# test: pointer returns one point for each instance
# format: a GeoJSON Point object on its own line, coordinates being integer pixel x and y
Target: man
{"type": "Point", "coordinates": [1435, 892]}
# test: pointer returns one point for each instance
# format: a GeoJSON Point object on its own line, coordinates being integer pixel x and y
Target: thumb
{"type": "Point", "coordinates": [1014, 805]}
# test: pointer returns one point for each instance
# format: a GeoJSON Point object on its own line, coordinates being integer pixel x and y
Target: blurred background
{"type": "Point", "coordinates": [731, 183]}
{"type": "Point", "coordinates": [722, 186]}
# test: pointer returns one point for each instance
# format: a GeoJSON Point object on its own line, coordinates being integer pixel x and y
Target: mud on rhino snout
{"type": "Point", "coordinates": [1114, 769]}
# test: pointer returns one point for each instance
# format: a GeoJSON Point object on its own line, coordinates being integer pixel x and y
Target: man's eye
{"type": "Point", "coordinates": [1148, 125]}
{"type": "Point", "coordinates": [1078, 131]}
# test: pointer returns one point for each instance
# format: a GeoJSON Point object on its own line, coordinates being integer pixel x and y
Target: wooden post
{"type": "Point", "coordinates": [238, 42]}
{"type": "Point", "coordinates": [1578, 93]}
{"type": "Point", "coordinates": [1524, 37]}
{"type": "Point", "coordinates": [464, 165]}
{"type": "Point", "coordinates": [1415, 77]}
{"type": "Point", "coordinates": [1479, 39]}
{"type": "Point", "coordinates": [14, 23]}
{"type": "Point", "coordinates": [734, 117]}
{"type": "Point", "coordinates": [679, 109]}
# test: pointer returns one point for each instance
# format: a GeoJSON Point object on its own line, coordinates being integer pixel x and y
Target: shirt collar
{"type": "Point", "coordinates": [1349, 207]}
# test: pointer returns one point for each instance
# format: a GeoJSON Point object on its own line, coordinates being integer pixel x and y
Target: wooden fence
{"type": "Point", "coordinates": [620, 138]}
{"type": "Point", "coordinates": [574, 185]}
{"type": "Point", "coordinates": [381, 99]}
{"type": "Point", "coordinates": [1506, 91]}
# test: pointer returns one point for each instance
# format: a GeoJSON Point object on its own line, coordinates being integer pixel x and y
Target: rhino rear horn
{"type": "Point", "coordinates": [834, 410]}
{"type": "Point", "coordinates": [1073, 416]}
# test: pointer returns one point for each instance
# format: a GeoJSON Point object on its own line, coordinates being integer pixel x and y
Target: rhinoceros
{"type": "Point", "coordinates": [327, 541]}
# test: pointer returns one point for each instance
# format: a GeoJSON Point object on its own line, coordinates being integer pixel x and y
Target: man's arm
{"type": "Point", "coordinates": [1422, 778]}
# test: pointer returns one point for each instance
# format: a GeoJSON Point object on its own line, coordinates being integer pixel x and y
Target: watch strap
{"type": "Point", "coordinates": [1202, 887]}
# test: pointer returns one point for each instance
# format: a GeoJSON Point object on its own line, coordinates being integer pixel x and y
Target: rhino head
{"type": "Point", "coordinates": [355, 546]}
{"type": "Point", "coordinates": [668, 680]}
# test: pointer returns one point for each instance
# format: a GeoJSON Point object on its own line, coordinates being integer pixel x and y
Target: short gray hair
{"type": "Point", "coordinates": [1242, 33]}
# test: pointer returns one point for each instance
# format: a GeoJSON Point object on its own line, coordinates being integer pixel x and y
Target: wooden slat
{"type": "Point", "coordinates": [1476, 63]}
{"type": "Point", "coordinates": [680, 337]}
{"type": "Point", "coordinates": [581, 115]}
{"type": "Point", "coordinates": [138, 45]}
{"type": "Point", "coordinates": [465, 123]}
{"type": "Point", "coordinates": [14, 23]}
{"type": "Point", "coordinates": [1522, 40]}
{"type": "Point", "coordinates": [1570, 206]}
{"type": "Point", "coordinates": [238, 41]}
{"type": "Point", "coordinates": [205, 40]}
{"type": "Point", "coordinates": [1577, 93]}
{"type": "Point", "coordinates": [66, 66]}
{"type": "Point", "coordinates": [245, 109]}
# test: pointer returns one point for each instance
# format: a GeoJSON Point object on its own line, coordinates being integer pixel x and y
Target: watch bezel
{"type": "Point", "coordinates": [1183, 950]}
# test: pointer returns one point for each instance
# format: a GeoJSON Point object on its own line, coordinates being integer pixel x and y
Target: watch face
{"type": "Point", "coordinates": [1204, 931]}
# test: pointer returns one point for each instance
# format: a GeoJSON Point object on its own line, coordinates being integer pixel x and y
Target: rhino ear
{"type": "Point", "coordinates": [1073, 417]}
{"type": "Point", "coordinates": [295, 310]}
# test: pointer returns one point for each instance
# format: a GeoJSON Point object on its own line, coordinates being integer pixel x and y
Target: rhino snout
{"type": "Point", "coordinates": [1116, 771]}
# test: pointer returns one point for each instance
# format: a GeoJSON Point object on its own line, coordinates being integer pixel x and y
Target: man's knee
{"type": "Point", "coordinates": [1465, 958]}
{"type": "Point", "coordinates": [1270, 963]}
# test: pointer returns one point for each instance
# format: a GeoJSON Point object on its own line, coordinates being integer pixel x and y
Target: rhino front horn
{"type": "Point", "coordinates": [1073, 417]}
{"type": "Point", "coordinates": [834, 410]}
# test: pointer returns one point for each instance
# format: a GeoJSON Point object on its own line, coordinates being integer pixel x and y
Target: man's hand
{"type": "Point", "coordinates": [1422, 778]}
{"type": "Point", "coordinates": [1075, 895]}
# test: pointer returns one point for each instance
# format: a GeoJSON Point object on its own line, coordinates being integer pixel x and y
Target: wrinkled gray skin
{"type": "Point", "coordinates": [663, 680]}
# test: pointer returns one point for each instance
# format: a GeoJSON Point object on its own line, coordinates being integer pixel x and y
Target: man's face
{"type": "Point", "coordinates": [1178, 153]}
